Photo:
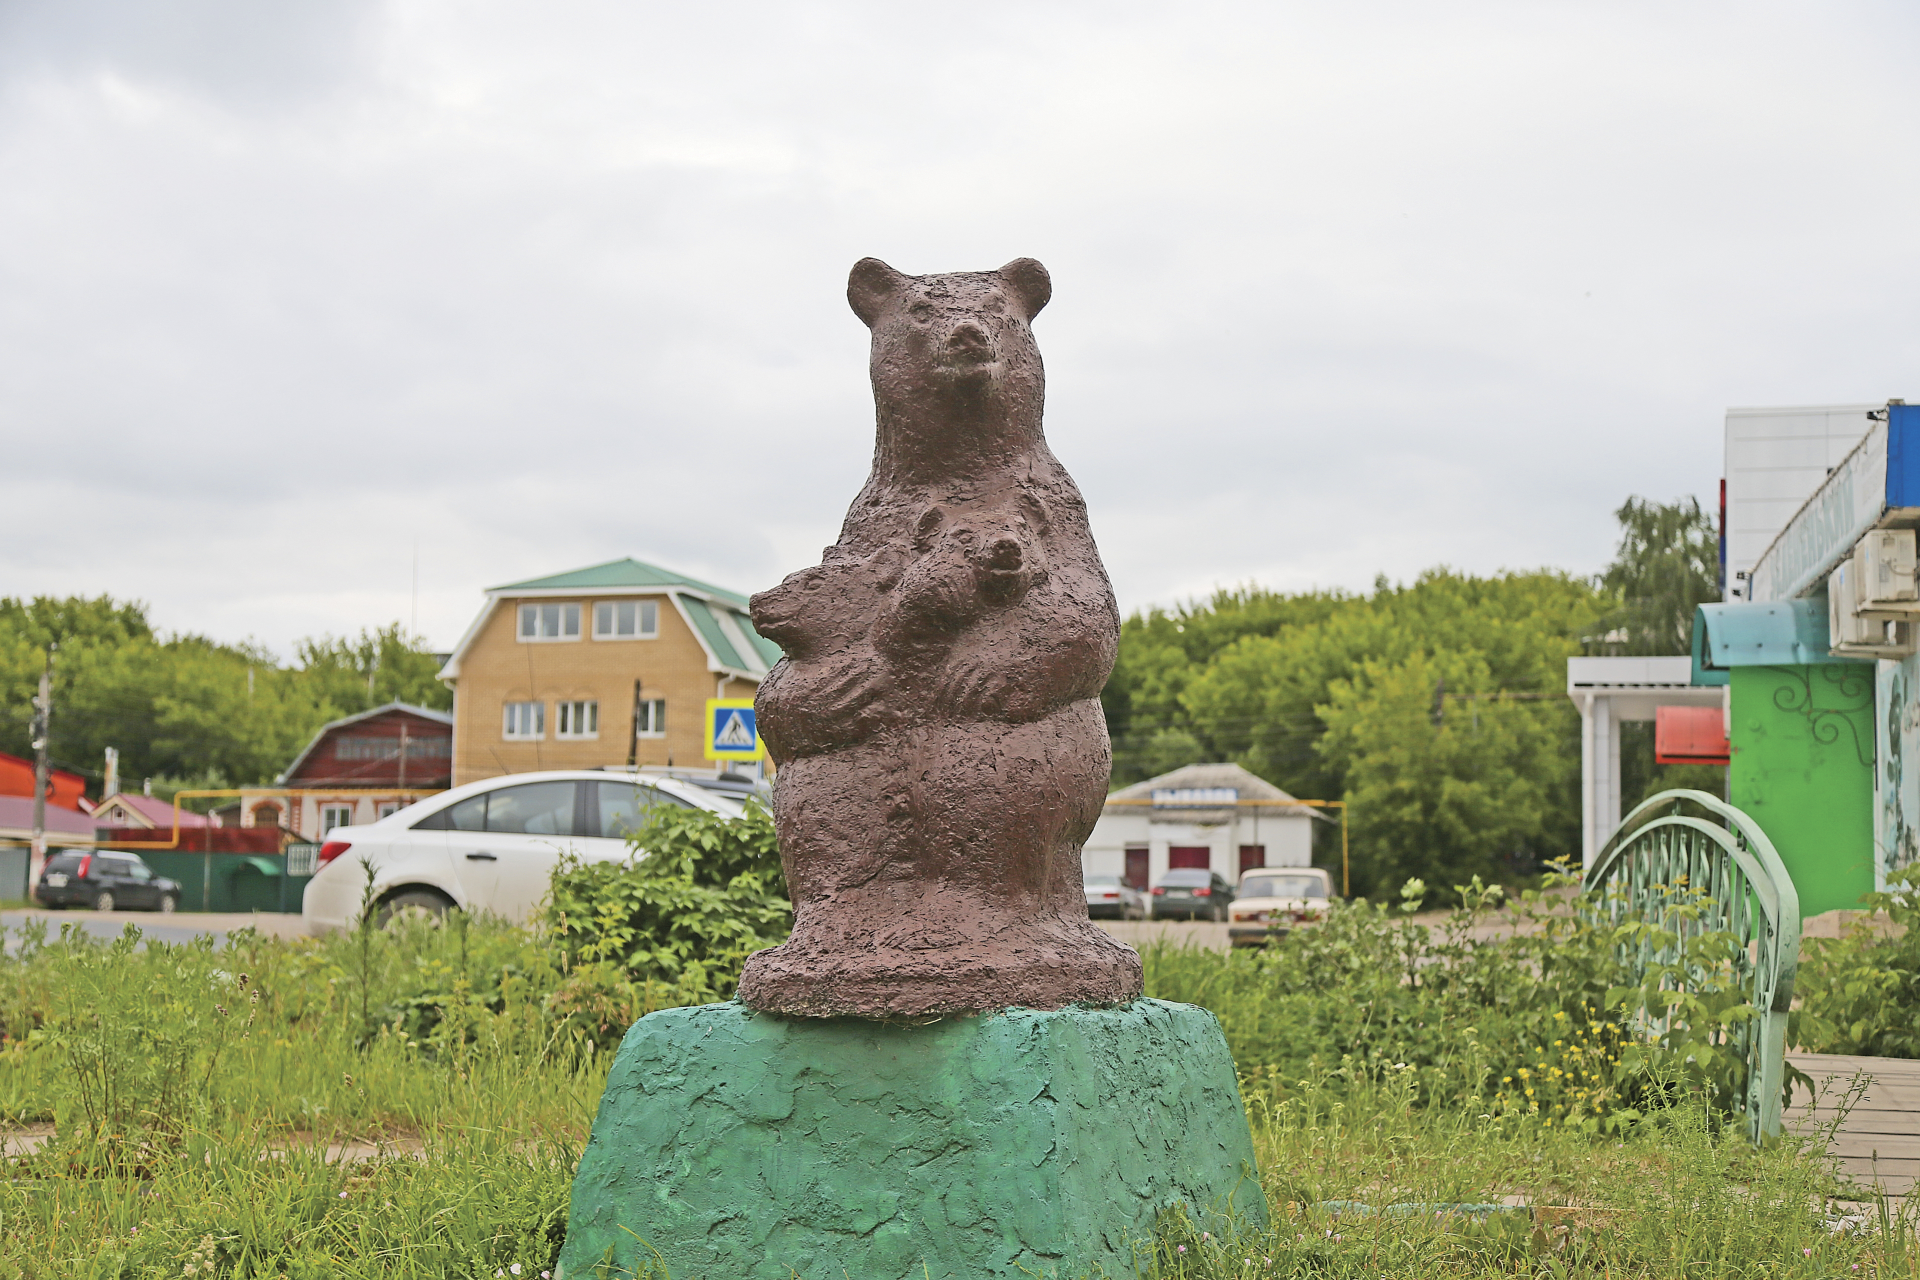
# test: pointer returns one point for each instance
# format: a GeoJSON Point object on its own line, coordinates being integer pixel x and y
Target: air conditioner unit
{"type": "Point", "coordinates": [1883, 576]}
{"type": "Point", "coordinates": [1853, 634]}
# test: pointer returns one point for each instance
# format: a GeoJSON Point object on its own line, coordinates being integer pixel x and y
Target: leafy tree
{"type": "Point", "coordinates": [186, 708]}
{"type": "Point", "coordinates": [1667, 565]}
{"type": "Point", "coordinates": [377, 667]}
{"type": "Point", "coordinates": [1437, 709]}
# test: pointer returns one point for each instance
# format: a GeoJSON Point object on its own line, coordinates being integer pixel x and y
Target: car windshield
{"type": "Point", "coordinates": [1102, 882]}
{"type": "Point", "coordinates": [1186, 879]}
{"type": "Point", "coordinates": [1282, 887]}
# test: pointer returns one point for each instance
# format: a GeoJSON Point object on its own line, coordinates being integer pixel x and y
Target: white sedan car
{"type": "Point", "coordinates": [490, 846]}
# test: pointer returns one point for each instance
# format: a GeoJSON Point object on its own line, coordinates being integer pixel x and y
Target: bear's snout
{"type": "Point", "coordinates": [1005, 555]}
{"type": "Point", "coordinates": [969, 344]}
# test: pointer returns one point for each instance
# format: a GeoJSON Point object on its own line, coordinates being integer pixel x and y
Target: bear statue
{"type": "Point", "coordinates": [936, 720]}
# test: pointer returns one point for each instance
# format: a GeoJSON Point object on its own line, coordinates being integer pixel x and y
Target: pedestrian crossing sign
{"type": "Point", "coordinates": [731, 734]}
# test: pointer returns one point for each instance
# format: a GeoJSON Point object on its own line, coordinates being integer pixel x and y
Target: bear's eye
{"type": "Point", "coordinates": [921, 311]}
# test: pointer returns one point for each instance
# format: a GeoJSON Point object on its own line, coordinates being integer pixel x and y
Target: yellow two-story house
{"type": "Point", "coordinates": [610, 665]}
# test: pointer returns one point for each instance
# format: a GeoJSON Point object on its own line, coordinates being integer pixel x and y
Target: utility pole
{"type": "Point", "coordinates": [112, 784]}
{"type": "Point", "coordinates": [42, 727]}
{"type": "Point", "coordinates": [633, 742]}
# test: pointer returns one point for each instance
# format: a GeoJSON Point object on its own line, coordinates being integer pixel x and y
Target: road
{"type": "Point", "coordinates": [181, 926]}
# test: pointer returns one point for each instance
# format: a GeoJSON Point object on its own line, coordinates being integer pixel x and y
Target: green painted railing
{"type": "Point", "coordinates": [1691, 840]}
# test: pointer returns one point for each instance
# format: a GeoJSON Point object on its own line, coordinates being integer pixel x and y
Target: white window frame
{"type": "Point", "coordinates": [652, 715]}
{"type": "Point", "coordinates": [534, 617]}
{"type": "Point", "coordinates": [509, 732]}
{"type": "Point", "coordinates": [387, 808]}
{"type": "Point", "coordinates": [569, 715]}
{"type": "Point", "coordinates": [327, 811]}
{"type": "Point", "coordinates": [646, 619]}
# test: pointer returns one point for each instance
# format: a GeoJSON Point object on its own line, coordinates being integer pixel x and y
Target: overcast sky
{"type": "Point", "coordinates": [288, 291]}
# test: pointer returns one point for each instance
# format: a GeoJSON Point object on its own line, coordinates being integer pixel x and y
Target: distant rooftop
{"type": "Point", "coordinates": [628, 573]}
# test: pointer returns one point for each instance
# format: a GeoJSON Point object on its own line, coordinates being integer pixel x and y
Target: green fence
{"type": "Point", "coordinates": [1683, 845]}
{"type": "Point", "coordinates": [236, 882]}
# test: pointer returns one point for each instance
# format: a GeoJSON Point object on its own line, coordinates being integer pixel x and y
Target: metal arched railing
{"type": "Point", "coordinates": [1693, 848]}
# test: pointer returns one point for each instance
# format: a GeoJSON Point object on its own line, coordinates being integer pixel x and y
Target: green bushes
{"type": "Point", "coordinates": [1525, 1010]}
{"type": "Point", "coordinates": [672, 928]}
{"type": "Point", "coordinates": [1860, 993]}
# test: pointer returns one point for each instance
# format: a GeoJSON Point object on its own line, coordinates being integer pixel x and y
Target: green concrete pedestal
{"type": "Point", "coordinates": [733, 1145]}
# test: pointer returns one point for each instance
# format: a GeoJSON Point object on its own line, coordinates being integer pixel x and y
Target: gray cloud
{"type": "Point", "coordinates": [1339, 289]}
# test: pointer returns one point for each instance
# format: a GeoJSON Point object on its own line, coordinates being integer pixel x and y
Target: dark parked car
{"type": "Point", "coordinates": [1192, 893]}
{"type": "Point", "coordinates": [105, 881]}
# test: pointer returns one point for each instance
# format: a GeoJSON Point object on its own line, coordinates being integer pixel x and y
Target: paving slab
{"type": "Point", "coordinates": [1877, 1140]}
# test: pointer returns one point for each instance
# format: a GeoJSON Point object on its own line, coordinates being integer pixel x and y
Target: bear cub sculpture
{"type": "Point", "coordinates": [936, 719]}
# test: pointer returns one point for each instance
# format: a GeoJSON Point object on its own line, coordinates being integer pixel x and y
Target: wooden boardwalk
{"type": "Point", "coordinates": [1878, 1142]}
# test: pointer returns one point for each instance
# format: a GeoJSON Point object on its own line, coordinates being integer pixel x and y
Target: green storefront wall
{"type": "Point", "coordinates": [1802, 767]}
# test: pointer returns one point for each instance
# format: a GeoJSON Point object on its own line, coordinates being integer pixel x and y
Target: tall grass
{"type": "Point", "coordinates": [200, 1096]}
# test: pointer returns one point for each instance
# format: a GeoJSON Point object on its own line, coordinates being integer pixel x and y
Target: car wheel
{"type": "Point", "coordinates": [169, 904]}
{"type": "Point", "coordinates": [433, 904]}
{"type": "Point", "coordinates": [103, 901]}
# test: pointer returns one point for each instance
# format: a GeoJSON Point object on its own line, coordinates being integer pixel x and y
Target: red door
{"type": "Point", "coordinates": [1137, 866]}
{"type": "Point", "coordinates": [1197, 856]}
{"type": "Point", "coordinates": [1252, 855]}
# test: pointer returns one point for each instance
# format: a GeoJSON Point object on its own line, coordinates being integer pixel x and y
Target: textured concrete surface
{"type": "Point", "coordinates": [1016, 1144]}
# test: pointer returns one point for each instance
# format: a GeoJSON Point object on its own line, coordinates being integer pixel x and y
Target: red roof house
{"type": "Point", "coordinates": [63, 788]}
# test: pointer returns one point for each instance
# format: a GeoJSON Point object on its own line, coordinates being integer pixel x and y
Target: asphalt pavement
{"type": "Point", "coordinates": [178, 926]}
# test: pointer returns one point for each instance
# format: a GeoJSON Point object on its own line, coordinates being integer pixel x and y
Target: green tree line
{"type": "Point", "coordinates": [1437, 709]}
{"type": "Point", "coordinates": [185, 710]}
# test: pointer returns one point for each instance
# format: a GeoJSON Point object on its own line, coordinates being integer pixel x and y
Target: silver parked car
{"type": "Point", "coordinates": [1113, 898]}
{"type": "Point", "coordinates": [491, 846]}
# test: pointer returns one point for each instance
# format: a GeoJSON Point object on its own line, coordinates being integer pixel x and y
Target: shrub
{"type": "Point", "coordinates": [1860, 993]}
{"type": "Point", "coordinates": [674, 926]}
{"type": "Point", "coordinates": [1528, 1010]}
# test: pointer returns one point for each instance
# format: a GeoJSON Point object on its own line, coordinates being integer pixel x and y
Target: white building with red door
{"type": "Point", "coordinates": [1217, 817]}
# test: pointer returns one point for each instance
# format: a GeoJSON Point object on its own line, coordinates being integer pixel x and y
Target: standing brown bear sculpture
{"type": "Point", "coordinates": [936, 720]}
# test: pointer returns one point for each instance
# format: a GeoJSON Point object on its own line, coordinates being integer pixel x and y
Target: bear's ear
{"type": "Point", "coordinates": [869, 285]}
{"type": "Point", "coordinates": [1028, 281]}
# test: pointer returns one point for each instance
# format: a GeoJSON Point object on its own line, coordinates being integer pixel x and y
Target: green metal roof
{"type": "Point", "coordinates": [622, 573]}
{"type": "Point", "coordinates": [709, 628]}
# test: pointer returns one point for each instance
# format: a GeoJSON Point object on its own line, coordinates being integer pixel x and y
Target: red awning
{"type": "Point", "coordinates": [1690, 735]}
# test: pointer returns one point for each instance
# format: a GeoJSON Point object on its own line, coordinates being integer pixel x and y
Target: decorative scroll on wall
{"type": "Point", "coordinates": [1831, 697]}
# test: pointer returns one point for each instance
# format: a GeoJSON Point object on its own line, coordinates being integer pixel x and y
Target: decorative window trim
{"type": "Point", "coordinates": [547, 623]}
{"type": "Point", "coordinates": [646, 619]}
